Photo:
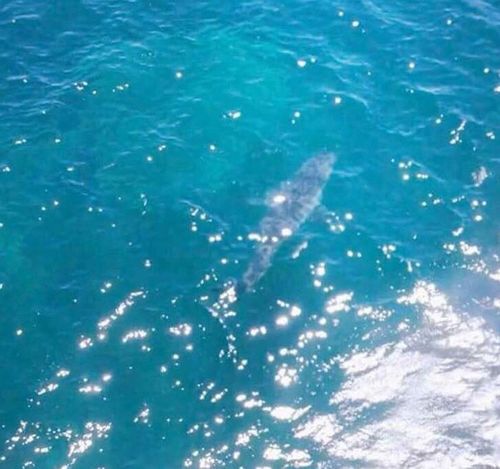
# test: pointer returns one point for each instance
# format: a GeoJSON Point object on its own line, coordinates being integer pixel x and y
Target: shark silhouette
{"type": "Point", "coordinates": [289, 207]}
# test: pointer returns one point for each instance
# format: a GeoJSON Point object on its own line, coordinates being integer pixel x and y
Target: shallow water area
{"type": "Point", "coordinates": [141, 146]}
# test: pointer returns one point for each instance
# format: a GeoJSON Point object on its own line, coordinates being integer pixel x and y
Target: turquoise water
{"type": "Point", "coordinates": [138, 143]}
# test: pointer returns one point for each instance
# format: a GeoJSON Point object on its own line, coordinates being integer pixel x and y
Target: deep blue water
{"type": "Point", "coordinates": [138, 143]}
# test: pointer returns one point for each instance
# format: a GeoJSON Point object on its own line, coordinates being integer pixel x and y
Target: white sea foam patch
{"type": "Point", "coordinates": [439, 388]}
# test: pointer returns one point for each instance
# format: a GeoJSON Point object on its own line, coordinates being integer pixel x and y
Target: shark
{"type": "Point", "coordinates": [289, 206]}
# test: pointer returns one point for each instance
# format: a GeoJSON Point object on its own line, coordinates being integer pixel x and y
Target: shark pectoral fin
{"type": "Point", "coordinates": [198, 211]}
{"type": "Point", "coordinates": [322, 214]}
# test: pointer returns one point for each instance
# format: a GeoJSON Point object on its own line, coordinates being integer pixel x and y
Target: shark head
{"type": "Point", "coordinates": [322, 164]}
{"type": "Point", "coordinates": [316, 170]}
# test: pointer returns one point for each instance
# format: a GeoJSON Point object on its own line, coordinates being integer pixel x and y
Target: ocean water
{"type": "Point", "coordinates": [138, 143]}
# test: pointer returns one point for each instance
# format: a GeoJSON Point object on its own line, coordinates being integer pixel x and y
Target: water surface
{"type": "Point", "coordinates": [138, 143]}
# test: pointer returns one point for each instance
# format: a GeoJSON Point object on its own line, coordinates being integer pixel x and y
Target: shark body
{"type": "Point", "coordinates": [289, 207]}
